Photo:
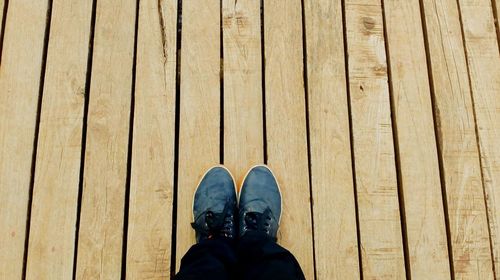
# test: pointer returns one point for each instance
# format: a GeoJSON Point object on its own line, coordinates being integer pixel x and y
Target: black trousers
{"type": "Point", "coordinates": [254, 256]}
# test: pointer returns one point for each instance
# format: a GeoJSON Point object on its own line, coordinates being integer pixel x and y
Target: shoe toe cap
{"type": "Point", "coordinates": [260, 190]}
{"type": "Point", "coordinates": [216, 189]}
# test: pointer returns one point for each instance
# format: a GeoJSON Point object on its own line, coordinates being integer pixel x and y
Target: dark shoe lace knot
{"type": "Point", "coordinates": [258, 221]}
{"type": "Point", "coordinates": [216, 224]}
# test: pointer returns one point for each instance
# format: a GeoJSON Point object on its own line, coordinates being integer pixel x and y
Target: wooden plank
{"type": "Point", "coordinates": [457, 140]}
{"type": "Point", "coordinates": [484, 69]}
{"type": "Point", "coordinates": [331, 173]}
{"type": "Point", "coordinates": [375, 165]}
{"type": "Point", "coordinates": [286, 125]}
{"type": "Point", "coordinates": [105, 172]}
{"type": "Point", "coordinates": [19, 88]}
{"type": "Point", "coordinates": [412, 110]}
{"type": "Point", "coordinates": [57, 173]}
{"type": "Point", "coordinates": [151, 187]}
{"type": "Point", "coordinates": [199, 108]}
{"type": "Point", "coordinates": [243, 119]}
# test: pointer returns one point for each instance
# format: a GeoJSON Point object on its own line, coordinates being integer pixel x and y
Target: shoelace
{"type": "Point", "coordinates": [259, 221]}
{"type": "Point", "coordinates": [216, 224]}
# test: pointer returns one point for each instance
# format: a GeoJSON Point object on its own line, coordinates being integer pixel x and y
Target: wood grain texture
{"type": "Point", "coordinates": [331, 173]}
{"type": "Point", "coordinates": [412, 109]}
{"type": "Point", "coordinates": [375, 165]}
{"type": "Point", "coordinates": [243, 118]}
{"type": "Point", "coordinates": [457, 141]}
{"type": "Point", "coordinates": [19, 89]}
{"type": "Point", "coordinates": [105, 172]}
{"type": "Point", "coordinates": [152, 173]}
{"type": "Point", "coordinates": [199, 108]}
{"type": "Point", "coordinates": [286, 125]}
{"type": "Point", "coordinates": [484, 69]}
{"type": "Point", "coordinates": [57, 172]}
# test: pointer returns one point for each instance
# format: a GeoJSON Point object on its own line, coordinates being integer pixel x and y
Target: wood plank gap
{"type": "Point", "coordinates": [3, 20]}
{"type": "Point", "coordinates": [35, 139]}
{"type": "Point", "coordinates": [84, 132]}
{"type": "Point", "coordinates": [130, 146]}
{"type": "Point", "coordinates": [221, 85]}
{"type": "Point", "coordinates": [308, 131]}
{"type": "Point", "coordinates": [444, 195]}
{"type": "Point", "coordinates": [173, 248]}
{"type": "Point", "coordinates": [477, 135]}
{"type": "Point", "coordinates": [263, 61]}
{"type": "Point", "coordinates": [402, 208]}
{"type": "Point", "coordinates": [351, 136]}
{"type": "Point", "coordinates": [496, 10]}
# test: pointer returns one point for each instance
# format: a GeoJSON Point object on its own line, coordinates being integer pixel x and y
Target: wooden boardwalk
{"type": "Point", "coordinates": [380, 118]}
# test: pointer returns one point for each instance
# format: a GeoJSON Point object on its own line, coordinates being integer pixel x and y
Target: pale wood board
{"type": "Point", "coordinates": [457, 140]}
{"type": "Point", "coordinates": [101, 225]}
{"type": "Point", "coordinates": [243, 118]}
{"type": "Point", "coordinates": [57, 172]}
{"type": "Point", "coordinates": [19, 90]}
{"type": "Point", "coordinates": [419, 166]}
{"type": "Point", "coordinates": [331, 173]}
{"type": "Point", "coordinates": [199, 109]}
{"type": "Point", "coordinates": [484, 69]}
{"type": "Point", "coordinates": [286, 125]}
{"type": "Point", "coordinates": [374, 155]}
{"type": "Point", "coordinates": [152, 171]}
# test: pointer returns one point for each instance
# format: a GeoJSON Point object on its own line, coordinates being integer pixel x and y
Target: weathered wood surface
{"type": "Point", "coordinates": [456, 134]}
{"type": "Point", "coordinates": [103, 196]}
{"type": "Point", "coordinates": [331, 169]}
{"type": "Point", "coordinates": [20, 78]}
{"type": "Point", "coordinates": [286, 125]}
{"type": "Point", "coordinates": [380, 118]}
{"type": "Point", "coordinates": [374, 155]}
{"type": "Point", "coordinates": [483, 59]}
{"type": "Point", "coordinates": [199, 135]}
{"type": "Point", "coordinates": [243, 116]}
{"type": "Point", "coordinates": [416, 140]}
{"type": "Point", "coordinates": [57, 174]}
{"type": "Point", "coordinates": [152, 171]}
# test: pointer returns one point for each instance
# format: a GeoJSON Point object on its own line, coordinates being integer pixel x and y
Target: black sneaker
{"type": "Point", "coordinates": [260, 202]}
{"type": "Point", "coordinates": [214, 205]}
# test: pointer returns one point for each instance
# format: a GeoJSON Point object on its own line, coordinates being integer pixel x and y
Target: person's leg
{"type": "Point", "coordinates": [259, 255]}
{"type": "Point", "coordinates": [209, 259]}
{"type": "Point", "coordinates": [214, 210]}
